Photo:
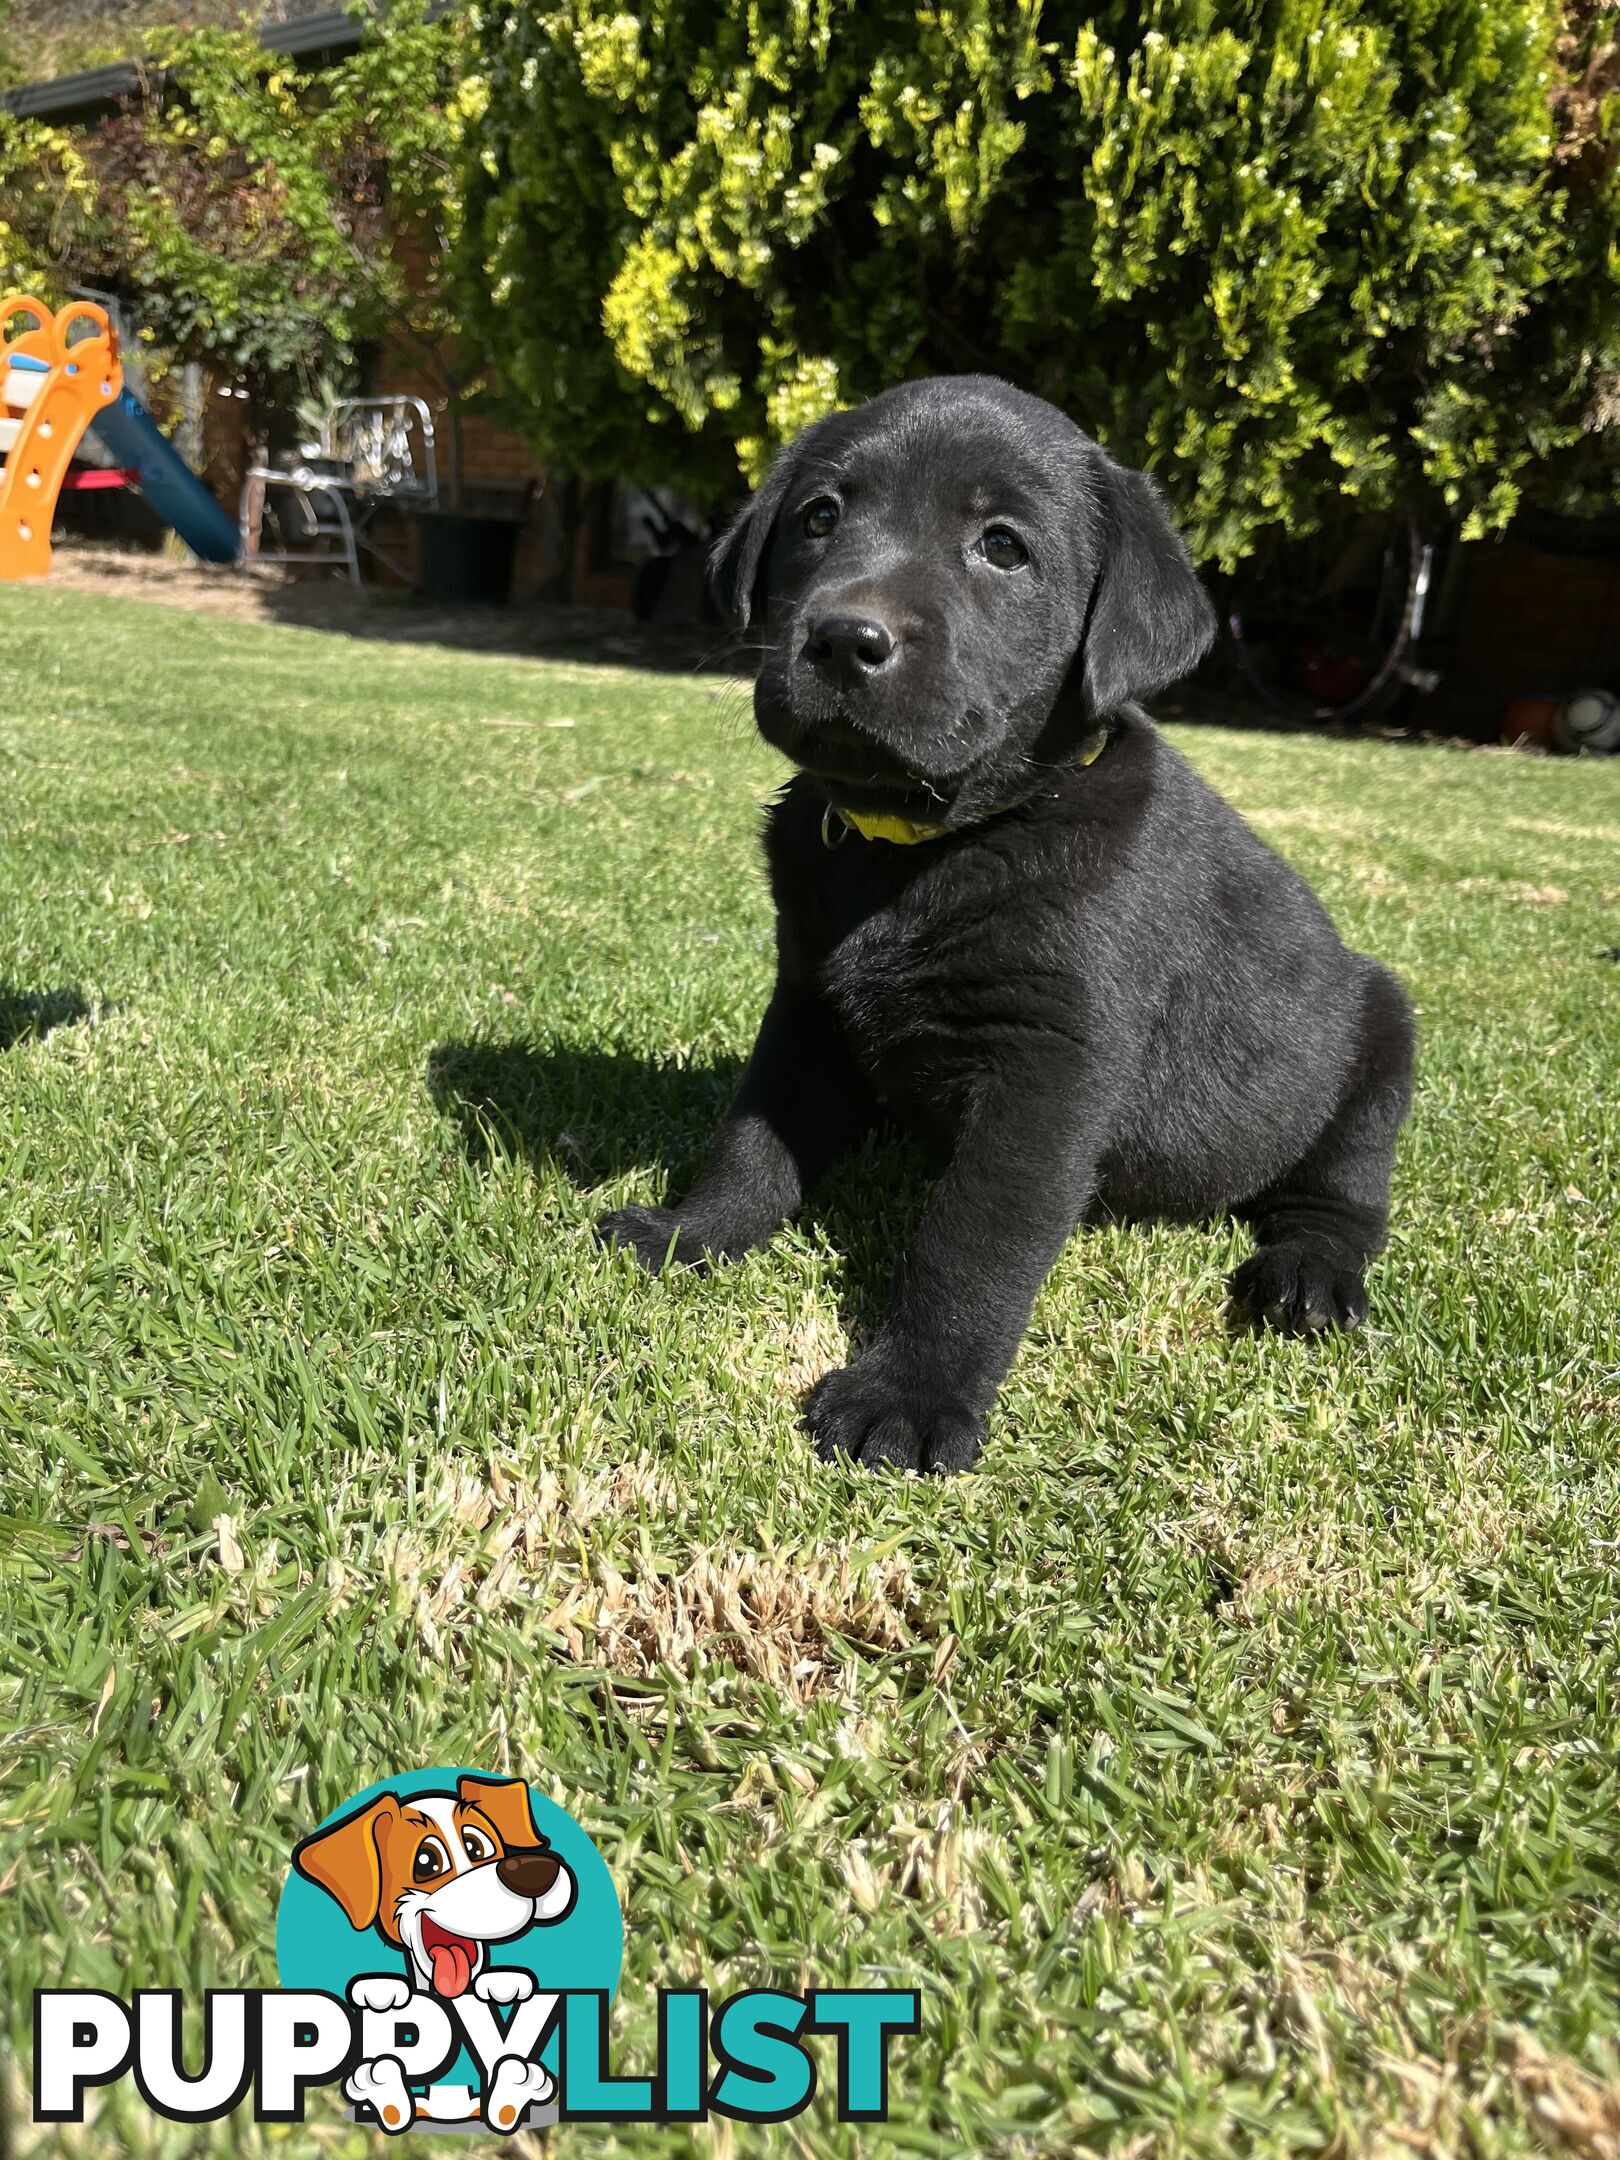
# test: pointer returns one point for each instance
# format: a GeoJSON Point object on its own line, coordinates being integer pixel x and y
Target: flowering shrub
{"type": "Point", "coordinates": [1292, 255]}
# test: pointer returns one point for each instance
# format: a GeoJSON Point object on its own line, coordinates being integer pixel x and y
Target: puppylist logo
{"type": "Point", "coordinates": [449, 1945]}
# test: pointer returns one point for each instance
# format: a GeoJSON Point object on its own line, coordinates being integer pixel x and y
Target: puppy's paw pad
{"type": "Point", "coordinates": [879, 1425]}
{"type": "Point", "coordinates": [1299, 1290]}
{"type": "Point", "coordinates": [653, 1234]}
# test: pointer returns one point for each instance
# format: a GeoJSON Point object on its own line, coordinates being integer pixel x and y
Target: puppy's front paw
{"type": "Point", "coordinates": [504, 1984]}
{"type": "Point", "coordinates": [379, 1991]}
{"type": "Point", "coordinates": [1299, 1289]}
{"type": "Point", "coordinates": [654, 1235]}
{"type": "Point", "coordinates": [516, 2087]}
{"type": "Point", "coordinates": [381, 2087]}
{"type": "Point", "coordinates": [867, 1412]}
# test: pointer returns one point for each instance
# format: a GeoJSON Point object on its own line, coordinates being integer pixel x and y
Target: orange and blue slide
{"type": "Point", "coordinates": [58, 380]}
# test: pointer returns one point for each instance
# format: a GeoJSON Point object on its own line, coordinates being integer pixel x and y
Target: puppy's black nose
{"type": "Point", "coordinates": [849, 647]}
{"type": "Point", "coordinates": [530, 1870]}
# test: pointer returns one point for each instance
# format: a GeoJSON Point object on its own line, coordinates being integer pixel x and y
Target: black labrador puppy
{"type": "Point", "coordinates": [1009, 911]}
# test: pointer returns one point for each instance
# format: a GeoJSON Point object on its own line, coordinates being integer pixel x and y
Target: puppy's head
{"type": "Point", "coordinates": [958, 586]}
{"type": "Point", "coordinates": [440, 1875]}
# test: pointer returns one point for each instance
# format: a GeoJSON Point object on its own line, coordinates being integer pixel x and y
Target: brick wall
{"type": "Point", "coordinates": [1524, 621]}
{"type": "Point", "coordinates": [499, 474]}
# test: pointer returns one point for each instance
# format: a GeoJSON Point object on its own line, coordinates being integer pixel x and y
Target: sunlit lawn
{"type": "Point", "coordinates": [1231, 1760]}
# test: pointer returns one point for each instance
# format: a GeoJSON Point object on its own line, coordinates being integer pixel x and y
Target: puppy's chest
{"type": "Point", "coordinates": [889, 980]}
{"type": "Point", "coordinates": [915, 985]}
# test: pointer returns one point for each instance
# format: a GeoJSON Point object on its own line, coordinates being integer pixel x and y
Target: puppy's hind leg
{"type": "Point", "coordinates": [1317, 1227]}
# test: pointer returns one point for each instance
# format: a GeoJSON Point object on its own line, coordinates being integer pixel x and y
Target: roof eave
{"type": "Point", "coordinates": [71, 100]}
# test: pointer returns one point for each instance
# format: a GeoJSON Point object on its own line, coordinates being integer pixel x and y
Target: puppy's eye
{"type": "Point", "coordinates": [479, 1849]}
{"type": "Point", "coordinates": [431, 1861]}
{"type": "Point", "coordinates": [820, 518]}
{"type": "Point", "coordinates": [1002, 549]}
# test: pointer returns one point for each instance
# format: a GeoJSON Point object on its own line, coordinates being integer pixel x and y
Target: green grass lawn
{"type": "Point", "coordinates": [1231, 1760]}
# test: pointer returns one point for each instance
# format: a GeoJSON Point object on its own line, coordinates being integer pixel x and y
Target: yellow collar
{"type": "Point", "coordinates": [907, 832]}
{"type": "Point", "coordinates": [903, 831]}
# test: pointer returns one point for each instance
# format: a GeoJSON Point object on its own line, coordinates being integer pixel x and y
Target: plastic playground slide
{"type": "Point", "coordinates": [51, 391]}
{"type": "Point", "coordinates": [127, 429]}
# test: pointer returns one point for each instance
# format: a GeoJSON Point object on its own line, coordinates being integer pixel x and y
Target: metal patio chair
{"type": "Point", "coordinates": [372, 454]}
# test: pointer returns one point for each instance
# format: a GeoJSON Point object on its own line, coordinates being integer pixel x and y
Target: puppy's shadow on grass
{"type": "Point", "coordinates": [595, 1115]}
{"type": "Point", "coordinates": [30, 1015]}
{"type": "Point", "coordinates": [592, 1114]}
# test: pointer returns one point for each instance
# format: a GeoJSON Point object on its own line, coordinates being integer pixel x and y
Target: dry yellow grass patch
{"type": "Point", "coordinates": [939, 1865]}
{"type": "Point", "coordinates": [1487, 2072]}
{"type": "Point", "coordinates": [509, 1542]}
{"type": "Point", "coordinates": [1486, 2075]}
{"type": "Point", "coordinates": [787, 1351]}
{"type": "Point", "coordinates": [493, 1544]}
{"type": "Point", "coordinates": [1566, 2102]}
{"type": "Point", "coordinates": [812, 1344]}
{"type": "Point", "coordinates": [779, 1622]}
{"type": "Point", "coordinates": [1515, 889]}
{"type": "Point", "coordinates": [1342, 1562]}
{"type": "Point", "coordinates": [1298, 818]}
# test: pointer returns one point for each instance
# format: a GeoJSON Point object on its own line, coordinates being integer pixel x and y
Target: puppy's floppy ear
{"type": "Point", "coordinates": [344, 1859]}
{"type": "Point", "coordinates": [506, 1802]}
{"type": "Point", "coordinates": [1150, 620]}
{"type": "Point", "coordinates": [738, 556]}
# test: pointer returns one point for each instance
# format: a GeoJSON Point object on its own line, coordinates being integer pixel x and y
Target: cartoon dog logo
{"type": "Point", "coordinates": [441, 1876]}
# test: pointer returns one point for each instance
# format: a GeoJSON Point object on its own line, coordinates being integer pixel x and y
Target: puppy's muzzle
{"type": "Point", "coordinates": [529, 1870]}
{"type": "Point", "coordinates": [849, 649]}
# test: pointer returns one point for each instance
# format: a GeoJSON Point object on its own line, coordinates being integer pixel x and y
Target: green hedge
{"type": "Point", "coordinates": [1293, 256]}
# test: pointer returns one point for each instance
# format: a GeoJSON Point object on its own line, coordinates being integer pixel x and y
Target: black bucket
{"type": "Point", "coordinates": [466, 558]}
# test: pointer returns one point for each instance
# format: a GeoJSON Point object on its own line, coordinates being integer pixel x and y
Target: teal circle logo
{"type": "Point", "coordinates": [447, 1889]}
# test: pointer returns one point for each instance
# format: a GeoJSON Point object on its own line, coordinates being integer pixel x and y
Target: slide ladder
{"type": "Point", "coordinates": [51, 390]}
